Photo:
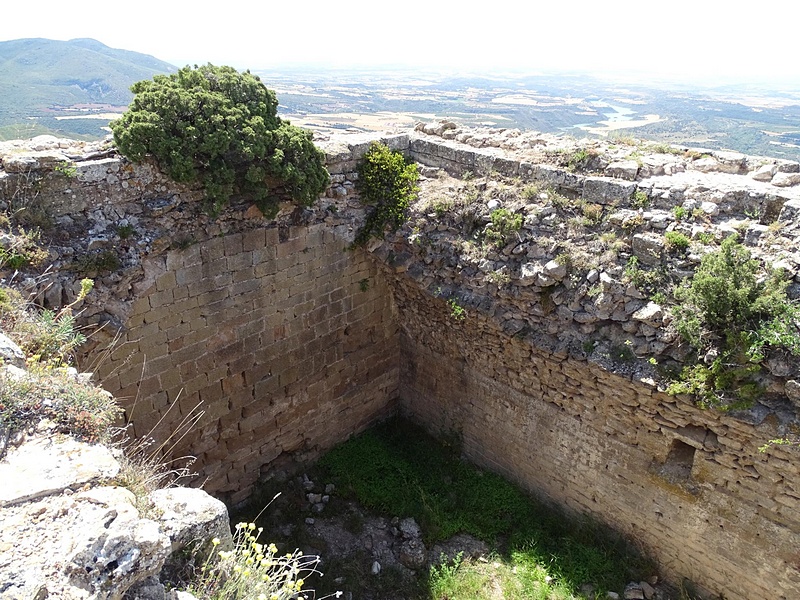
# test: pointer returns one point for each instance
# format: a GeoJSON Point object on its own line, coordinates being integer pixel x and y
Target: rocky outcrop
{"type": "Point", "coordinates": [69, 532]}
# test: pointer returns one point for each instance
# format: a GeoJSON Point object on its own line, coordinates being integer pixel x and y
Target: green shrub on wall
{"type": "Point", "coordinates": [732, 314]}
{"type": "Point", "coordinates": [388, 183]}
{"type": "Point", "coordinates": [218, 127]}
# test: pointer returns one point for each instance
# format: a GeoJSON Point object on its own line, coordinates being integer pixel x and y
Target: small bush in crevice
{"type": "Point", "coordinates": [387, 182]}
{"type": "Point", "coordinates": [676, 241]}
{"type": "Point", "coordinates": [105, 261]}
{"type": "Point", "coordinates": [733, 314]}
{"type": "Point", "coordinates": [503, 226]}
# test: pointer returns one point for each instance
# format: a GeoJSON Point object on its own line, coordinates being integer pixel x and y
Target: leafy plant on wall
{"type": "Point", "coordinates": [387, 182]}
{"type": "Point", "coordinates": [218, 127]}
{"type": "Point", "coordinates": [733, 315]}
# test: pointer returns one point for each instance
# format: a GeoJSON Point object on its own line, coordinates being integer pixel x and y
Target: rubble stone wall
{"type": "Point", "coordinates": [290, 344]}
{"type": "Point", "coordinates": [689, 485]}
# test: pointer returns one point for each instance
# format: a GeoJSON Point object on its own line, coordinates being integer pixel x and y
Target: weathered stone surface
{"type": "Point", "coordinates": [44, 466]}
{"type": "Point", "coordinates": [606, 191]}
{"type": "Point", "coordinates": [790, 212]}
{"type": "Point", "coordinates": [624, 169]}
{"type": "Point", "coordinates": [96, 545]}
{"type": "Point", "coordinates": [114, 548]}
{"type": "Point", "coordinates": [555, 270]}
{"type": "Point", "coordinates": [412, 554]}
{"type": "Point", "coordinates": [633, 591]}
{"type": "Point", "coordinates": [647, 589]}
{"type": "Point", "coordinates": [648, 248]}
{"type": "Point", "coordinates": [731, 162]}
{"type": "Point", "coordinates": [190, 517]}
{"type": "Point", "coordinates": [529, 273]}
{"type": "Point", "coordinates": [10, 353]}
{"type": "Point", "coordinates": [31, 161]}
{"type": "Point", "coordinates": [785, 179]}
{"type": "Point", "coordinates": [651, 314]}
{"type": "Point", "coordinates": [793, 390]}
{"type": "Point", "coordinates": [409, 528]}
{"type": "Point", "coordinates": [764, 173]}
{"type": "Point", "coordinates": [705, 165]}
{"type": "Point", "coordinates": [91, 542]}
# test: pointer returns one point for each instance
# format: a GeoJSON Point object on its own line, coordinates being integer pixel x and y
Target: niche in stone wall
{"type": "Point", "coordinates": [677, 467]}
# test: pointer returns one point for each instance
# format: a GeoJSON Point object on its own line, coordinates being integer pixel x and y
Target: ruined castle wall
{"type": "Point", "coordinates": [283, 338]}
{"type": "Point", "coordinates": [689, 485]}
{"type": "Point", "coordinates": [290, 344]}
{"type": "Point", "coordinates": [512, 378]}
{"type": "Point", "coordinates": [287, 345]}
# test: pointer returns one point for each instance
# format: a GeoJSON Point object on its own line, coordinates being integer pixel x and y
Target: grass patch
{"type": "Point", "coordinates": [59, 395]}
{"type": "Point", "coordinates": [517, 577]}
{"type": "Point", "coordinates": [397, 469]}
{"type": "Point", "coordinates": [49, 388]}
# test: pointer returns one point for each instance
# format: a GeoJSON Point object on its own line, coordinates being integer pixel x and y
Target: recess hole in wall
{"type": "Point", "coordinates": [678, 466]}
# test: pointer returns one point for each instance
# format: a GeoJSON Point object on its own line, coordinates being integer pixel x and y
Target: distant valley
{"type": "Point", "coordinates": [72, 89]}
{"type": "Point", "coordinates": [751, 119]}
{"type": "Point", "coordinates": [69, 89]}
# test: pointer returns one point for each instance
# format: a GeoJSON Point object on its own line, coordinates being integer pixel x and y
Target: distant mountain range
{"type": "Point", "coordinates": [52, 86]}
{"type": "Point", "coordinates": [73, 88]}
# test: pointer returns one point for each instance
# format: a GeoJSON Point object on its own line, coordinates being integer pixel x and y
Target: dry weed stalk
{"type": "Point", "coordinates": [147, 465]}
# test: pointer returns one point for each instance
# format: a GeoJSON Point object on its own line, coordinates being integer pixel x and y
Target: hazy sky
{"type": "Point", "coordinates": [685, 38]}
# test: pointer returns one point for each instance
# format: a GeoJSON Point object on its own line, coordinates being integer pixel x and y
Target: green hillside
{"type": "Point", "coordinates": [43, 79]}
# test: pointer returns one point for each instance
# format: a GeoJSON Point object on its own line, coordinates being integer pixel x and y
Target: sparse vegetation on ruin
{"type": "Point", "coordinates": [733, 315]}
{"type": "Point", "coordinates": [387, 183]}
{"type": "Point", "coordinates": [503, 226]}
{"type": "Point", "coordinates": [219, 128]}
{"type": "Point", "coordinates": [49, 388]}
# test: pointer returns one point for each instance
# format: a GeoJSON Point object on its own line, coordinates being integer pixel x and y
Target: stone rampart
{"type": "Point", "coordinates": [283, 338]}
{"type": "Point", "coordinates": [289, 343]}
{"type": "Point", "coordinates": [522, 380]}
{"type": "Point", "coordinates": [688, 485]}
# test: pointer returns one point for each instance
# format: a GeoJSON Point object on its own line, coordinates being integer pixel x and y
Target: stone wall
{"type": "Point", "coordinates": [287, 345]}
{"type": "Point", "coordinates": [283, 338]}
{"type": "Point", "coordinates": [688, 485]}
{"type": "Point", "coordinates": [290, 344]}
{"type": "Point", "coordinates": [524, 383]}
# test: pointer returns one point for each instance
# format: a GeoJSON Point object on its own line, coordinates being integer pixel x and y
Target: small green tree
{"type": "Point", "coordinates": [219, 127]}
{"type": "Point", "coordinates": [733, 314]}
{"type": "Point", "coordinates": [388, 183]}
{"type": "Point", "coordinates": [503, 226]}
